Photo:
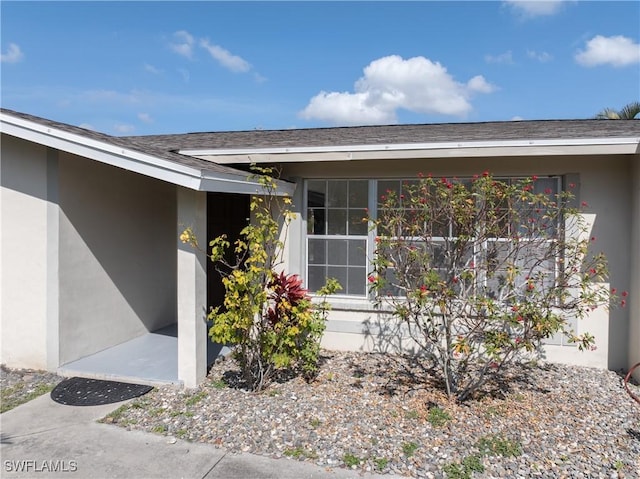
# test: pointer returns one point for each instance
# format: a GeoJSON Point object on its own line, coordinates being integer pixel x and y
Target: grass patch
{"type": "Point", "coordinates": [19, 394]}
{"type": "Point", "coordinates": [499, 446]}
{"type": "Point", "coordinates": [159, 429]}
{"type": "Point", "coordinates": [408, 448]}
{"type": "Point", "coordinates": [413, 414]}
{"type": "Point", "coordinates": [464, 469]}
{"type": "Point", "coordinates": [115, 416]}
{"type": "Point", "coordinates": [438, 417]}
{"type": "Point", "coordinates": [219, 384]}
{"type": "Point", "coordinates": [351, 460]}
{"type": "Point", "coordinates": [196, 398]}
{"type": "Point", "coordinates": [155, 411]}
{"type": "Point", "coordinates": [488, 446]}
{"type": "Point", "coordinates": [618, 465]}
{"type": "Point", "coordinates": [381, 463]}
{"type": "Point", "coordinates": [300, 452]}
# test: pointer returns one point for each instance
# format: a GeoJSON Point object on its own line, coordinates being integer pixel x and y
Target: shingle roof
{"type": "Point", "coordinates": [123, 142]}
{"type": "Point", "coordinates": [167, 146]}
{"type": "Point", "coordinates": [395, 134]}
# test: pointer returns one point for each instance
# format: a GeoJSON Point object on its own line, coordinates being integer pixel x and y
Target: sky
{"type": "Point", "coordinates": [156, 67]}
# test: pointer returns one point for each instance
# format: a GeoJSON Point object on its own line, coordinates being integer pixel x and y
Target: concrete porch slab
{"type": "Point", "coordinates": [148, 359]}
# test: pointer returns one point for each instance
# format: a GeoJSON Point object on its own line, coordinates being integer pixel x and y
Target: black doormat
{"type": "Point", "coordinates": [93, 392]}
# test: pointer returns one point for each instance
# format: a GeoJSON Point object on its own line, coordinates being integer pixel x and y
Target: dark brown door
{"type": "Point", "coordinates": [226, 214]}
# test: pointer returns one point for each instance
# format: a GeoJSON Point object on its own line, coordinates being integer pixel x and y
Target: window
{"type": "Point", "coordinates": [338, 242]}
{"type": "Point", "coordinates": [337, 235]}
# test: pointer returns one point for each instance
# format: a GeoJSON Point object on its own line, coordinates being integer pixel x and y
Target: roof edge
{"type": "Point", "coordinates": [130, 159]}
{"type": "Point", "coordinates": [210, 152]}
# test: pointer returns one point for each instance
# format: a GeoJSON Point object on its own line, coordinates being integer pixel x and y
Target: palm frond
{"type": "Point", "coordinates": [628, 112]}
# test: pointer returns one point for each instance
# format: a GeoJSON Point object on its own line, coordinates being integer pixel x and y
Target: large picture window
{"type": "Point", "coordinates": [338, 240]}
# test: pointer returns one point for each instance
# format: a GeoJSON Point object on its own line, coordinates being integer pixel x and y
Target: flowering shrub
{"type": "Point", "coordinates": [481, 271]}
{"type": "Point", "coordinates": [267, 316]}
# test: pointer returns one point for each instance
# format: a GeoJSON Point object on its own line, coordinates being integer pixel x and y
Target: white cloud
{"type": "Point", "coordinates": [535, 8]}
{"type": "Point", "coordinates": [347, 109]}
{"type": "Point", "coordinates": [505, 57]}
{"type": "Point", "coordinates": [145, 117]}
{"type": "Point", "coordinates": [87, 126]}
{"type": "Point", "coordinates": [183, 44]}
{"type": "Point", "coordinates": [151, 69]}
{"type": "Point", "coordinates": [517, 118]}
{"type": "Point", "coordinates": [390, 83]}
{"type": "Point", "coordinates": [123, 128]}
{"type": "Point", "coordinates": [617, 51]}
{"type": "Point", "coordinates": [226, 58]}
{"type": "Point", "coordinates": [13, 55]}
{"type": "Point", "coordinates": [480, 85]}
{"type": "Point", "coordinates": [542, 57]}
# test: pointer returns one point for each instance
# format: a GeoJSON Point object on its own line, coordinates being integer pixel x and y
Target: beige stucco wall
{"type": "Point", "coordinates": [24, 250]}
{"type": "Point", "coordinates": [88, 255]}
{"type": "Point", "coordinates": [605, 184]}
{"type": "Point", "coordinates": [634, 298]}
{"type": "Point", "coordinates": [117, 256]}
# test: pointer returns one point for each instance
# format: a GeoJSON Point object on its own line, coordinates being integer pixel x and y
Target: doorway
{"type": "Point", "coordinates": [227, 213]}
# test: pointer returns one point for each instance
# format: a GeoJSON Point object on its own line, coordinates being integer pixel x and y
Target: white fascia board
{"type": "Point", "coordinates": [130, 160]}
{"type": "Point", "coordinates": [213, 183]}
{"type": "Point", "coordinates": [421, 150]}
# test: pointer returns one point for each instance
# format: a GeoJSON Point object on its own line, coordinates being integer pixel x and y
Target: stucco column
{"type": "Point", "coordinates": [192, 290]}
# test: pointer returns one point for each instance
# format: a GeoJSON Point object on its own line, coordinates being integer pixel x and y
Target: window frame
{"type": "Point", "coordinates": [373, 200]}
{"type": "Point", "coordinates": [369, 238]}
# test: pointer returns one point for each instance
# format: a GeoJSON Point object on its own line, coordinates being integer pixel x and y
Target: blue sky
{"type": "Point", "coordinates": [129, 68]}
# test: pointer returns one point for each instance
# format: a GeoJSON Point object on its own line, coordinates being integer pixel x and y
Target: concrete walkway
{"type": "Point", "coordinates": [43, 439]}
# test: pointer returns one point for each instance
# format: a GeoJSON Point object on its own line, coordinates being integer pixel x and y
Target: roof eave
{"type": "Point", "coordinates": [133, 160]}
{"type": "Point", "coordinates": [568, 147]}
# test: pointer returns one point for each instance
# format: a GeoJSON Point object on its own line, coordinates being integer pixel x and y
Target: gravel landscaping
{"type": "Point", "coordinates": [381, 413]}
{"type": "Point", "coordinates": [18, 386]}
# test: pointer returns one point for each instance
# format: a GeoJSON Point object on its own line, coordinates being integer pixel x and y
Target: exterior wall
{"type": "Point", "coordinates": [634, 298]}
{"type": "Point", "coordinates": [117, 256]}
{"type": "Point", "coordinates": [24, 252]}
{"type": "Point", "coordinates": [604, 183]}
{"type": "Point", "coordinates": [192, 289]}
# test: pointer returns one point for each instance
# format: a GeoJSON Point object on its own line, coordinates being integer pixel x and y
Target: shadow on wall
{"type": "Point", "coordinates": [384, 334]}
{"type": "Point", "coordinates": [118, 232]}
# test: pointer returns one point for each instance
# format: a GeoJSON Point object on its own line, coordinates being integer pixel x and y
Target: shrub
{"type": "Point", "coordinates": [481, 271]}
{"type": "Point", "coordinates": [267, 314]}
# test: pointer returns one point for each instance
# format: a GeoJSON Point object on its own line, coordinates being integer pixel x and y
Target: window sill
{"type": "Point", "coordinates": [347, 303]}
